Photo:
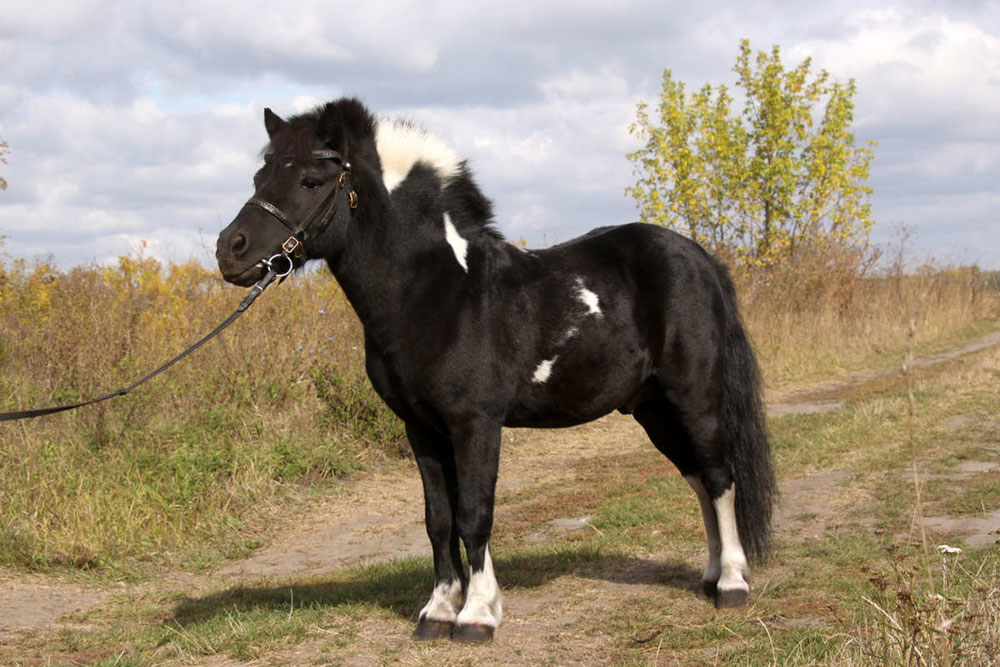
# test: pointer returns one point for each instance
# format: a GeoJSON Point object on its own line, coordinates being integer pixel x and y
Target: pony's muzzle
{"type": "Point", "coordinates": [232, 246]}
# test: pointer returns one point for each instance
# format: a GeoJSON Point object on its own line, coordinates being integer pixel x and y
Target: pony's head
{"type": "Point", "coordinates": [304, 194]}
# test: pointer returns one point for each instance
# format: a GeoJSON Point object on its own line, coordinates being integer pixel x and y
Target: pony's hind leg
{"type": "Point", "coordinates": [437, 471]}
{"type": "Point", "coordinates": [671, 439]}
{"type": "Point", "coordinates": [697, 453]}
{"type": "Point", "coordinates": [713, 571]}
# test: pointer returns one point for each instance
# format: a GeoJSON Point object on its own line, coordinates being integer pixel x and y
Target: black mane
{"type": "Point", "coordinates": [458, 192]}
{"type": "Point", "coordinates": [472, 211]}
{"type": "Point", "coordinates": [344, 125]}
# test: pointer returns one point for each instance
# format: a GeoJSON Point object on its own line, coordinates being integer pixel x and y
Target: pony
{"type": "Point", "coordinates": [466, 333]}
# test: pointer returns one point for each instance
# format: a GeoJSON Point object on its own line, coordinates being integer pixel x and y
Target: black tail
{"type": "Point", "coordinates": [746, 435]}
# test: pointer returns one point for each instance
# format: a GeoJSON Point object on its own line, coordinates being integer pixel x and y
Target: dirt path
{"type": "Point", "coordinates": [377, 516]}
{"type": "Point", "coordinates": [824, 396]}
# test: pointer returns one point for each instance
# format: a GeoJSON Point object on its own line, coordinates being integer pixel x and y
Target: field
{"type": "Point", "coordinates": [255, 505]}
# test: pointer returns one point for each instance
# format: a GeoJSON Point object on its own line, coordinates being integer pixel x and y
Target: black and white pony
{"type": "Point", "coordinates": [466, 333]}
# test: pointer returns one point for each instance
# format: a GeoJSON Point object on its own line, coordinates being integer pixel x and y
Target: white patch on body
{"type": "Point", "coordinates": [401, 145]}
{"type": "Point", "coordinates": [567, 335]}
{"type": "Point", "coordinates": [588, 298]}
{"type": "Point", "coordinates": [458, 244]}
{"type": "Point", "coordinates": [733, 562]}
{"type": "Point", "coordinates": [445, 603]}
{"type": "Point", "coordinates": [483, 602]}
{"type": "Point", "coordinates": [714, 568]}
{"type": "Point", "coordinates": [543, 370]}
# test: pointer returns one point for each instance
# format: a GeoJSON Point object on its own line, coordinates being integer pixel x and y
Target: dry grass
{"type": "Point", "coordinates": [202, 451]}
{"type": "Point", "coordinates": [927, 606]}
{"type": "Point", "coordinates": [811, 322]}
{"type": "Point", "coordinates": [930, 609]}
{"type": "Point", "coordinates": [194, 462]}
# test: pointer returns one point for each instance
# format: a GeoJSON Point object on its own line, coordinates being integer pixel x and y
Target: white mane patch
{"type": "Point", "coordinates": [401, 145]}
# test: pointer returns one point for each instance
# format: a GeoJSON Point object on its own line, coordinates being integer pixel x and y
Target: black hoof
{"type": "Point", "coordinates": [710, 588]}
{"type": "Point", "coordinates": [472, 634]}
{"type": "Point", "coordinates": [732, 598]}
{"type": "Point", "coordinates": [428, 630]}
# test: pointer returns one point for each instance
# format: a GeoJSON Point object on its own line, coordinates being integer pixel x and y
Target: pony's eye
{"type": "Point", "coordinates": [310, 183]}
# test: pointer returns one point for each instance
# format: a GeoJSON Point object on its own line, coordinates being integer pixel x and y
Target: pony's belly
{"type": "Point", "coordinates": [576, 400]}
{"type": "Point", "coordinates": [528, 419]}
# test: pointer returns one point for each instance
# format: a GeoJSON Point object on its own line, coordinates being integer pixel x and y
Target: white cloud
{"type": "Point", "coordinates": [143, 121]}
{"type": "Point", "coordinates": [913, 64]}
{"type": "Point", "coordinates": [45, 20]}
{"type": "Point", "coordinates": [585, 87]}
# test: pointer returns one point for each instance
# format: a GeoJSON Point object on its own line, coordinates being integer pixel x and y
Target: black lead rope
{"type": "Point", "coordinates": [255, 291]}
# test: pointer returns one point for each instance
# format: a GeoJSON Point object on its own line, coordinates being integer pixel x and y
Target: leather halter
{"type": "Point", "coordinates": [321, 215]}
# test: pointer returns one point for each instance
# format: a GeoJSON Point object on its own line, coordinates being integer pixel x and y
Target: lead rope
{"type": "Point", "coordinates": [255, 291]}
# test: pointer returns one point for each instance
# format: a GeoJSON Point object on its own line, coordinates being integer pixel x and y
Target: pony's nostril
{"type": "Point", "coordinates": [239, 244]}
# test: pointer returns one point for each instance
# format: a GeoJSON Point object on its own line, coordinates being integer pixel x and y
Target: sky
{"type": "Point", "coordinates": [136, 127]}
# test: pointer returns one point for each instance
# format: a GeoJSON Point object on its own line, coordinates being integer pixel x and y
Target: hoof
{"type": "Point", "coordinates": [428, 630]}
{"type": "Point", "coordinates": [472, 634]}
{"type": "Point", "coordinates": [709, 588]}
{"type": "Point", "coordinates": [736, 597]}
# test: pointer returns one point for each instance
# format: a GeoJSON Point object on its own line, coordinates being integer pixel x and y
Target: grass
{"type": "Point", "coordinates": [197, 459]}
{"type": "Point", "coordinates": [202, 464]}
{"type": "Point", "coordinates": [826, 325]}
{"type": "Point", "coordinates": [852, 583]}
{"type": "Point", "coordinates": [279, 406]}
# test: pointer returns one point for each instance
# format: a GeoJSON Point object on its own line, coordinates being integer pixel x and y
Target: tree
{"type": "Point", "coordinates": [759, 185]}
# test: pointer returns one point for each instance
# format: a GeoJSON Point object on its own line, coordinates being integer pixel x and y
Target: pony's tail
{"type": "Point", "coordinates": [746, 435]}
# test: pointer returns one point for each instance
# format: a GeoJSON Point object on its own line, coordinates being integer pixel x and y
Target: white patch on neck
{"type": "Point", "coordinates": [588, 298]}
{"type": "Point", "coordinates": [401, 145]}
{"type": "Point", "coordinates": [458, 244]}
{"type": "Point", "coordinates": [544, 370]}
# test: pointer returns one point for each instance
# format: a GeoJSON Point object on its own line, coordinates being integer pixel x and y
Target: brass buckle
{"type": "Point", "coordinates": [292, 246]}
{"type": "Point", "coordinates": [354, 198]}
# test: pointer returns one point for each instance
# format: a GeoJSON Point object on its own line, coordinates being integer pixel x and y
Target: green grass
{"type": "Point", "coordinates": [628, 583]}
{"type": "Point", "coordinates": [163, 488]}
{"type": "Point", "coordinates": [201, 466]}
{"type": "Point", "coordinates": [194, 462]}
{"type": "Point", "coordinates": [278, 407]}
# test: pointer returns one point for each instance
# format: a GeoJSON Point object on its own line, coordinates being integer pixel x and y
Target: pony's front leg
{"type": "Point", "coordinates": [437, 471]}
{"type": "Point", "coordinates": [477, 455]}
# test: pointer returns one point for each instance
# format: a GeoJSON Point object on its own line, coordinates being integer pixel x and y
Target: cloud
{"type": "Point", "coordinates": [133, 121]}
{"type": "Point", "coordinates": [930, 93]}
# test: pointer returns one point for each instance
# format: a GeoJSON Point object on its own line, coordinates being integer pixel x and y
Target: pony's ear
{"type": "Point", "coordinates": [330, 129]}
{"type": "Point", "coordinates": [272, 122]}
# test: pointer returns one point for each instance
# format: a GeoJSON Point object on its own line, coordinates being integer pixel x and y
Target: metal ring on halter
{"type": "Point", "coordinates": [269, 263]}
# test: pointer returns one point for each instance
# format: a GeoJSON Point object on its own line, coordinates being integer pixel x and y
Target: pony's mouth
{"type": "Point", "coordinates": [246, 277]}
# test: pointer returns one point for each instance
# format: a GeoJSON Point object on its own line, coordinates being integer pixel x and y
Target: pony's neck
{"type": "Point", "coordinates": [418, 205]}
{"type": "Point", "coordinates": [367, 262]}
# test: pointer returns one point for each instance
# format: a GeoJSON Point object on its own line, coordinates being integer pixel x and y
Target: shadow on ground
{"type": "Point", "coordinates": [402, 586]}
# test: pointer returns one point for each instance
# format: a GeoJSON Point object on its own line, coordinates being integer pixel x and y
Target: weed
{"type": "Point", "coordinates": [931, 609]}
{"type": "Point", "coordinates": [356, 410]}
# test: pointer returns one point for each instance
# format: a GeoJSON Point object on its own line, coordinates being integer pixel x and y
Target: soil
{"type": "Point", "coordinates": [378, 516]}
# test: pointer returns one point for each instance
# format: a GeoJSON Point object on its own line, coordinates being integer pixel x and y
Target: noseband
{"type": "Point", "coordinates": [314, 223]}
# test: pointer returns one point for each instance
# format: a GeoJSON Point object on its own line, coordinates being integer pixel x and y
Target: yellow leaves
{"type": "Point", "coordinates": [759, 185]}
